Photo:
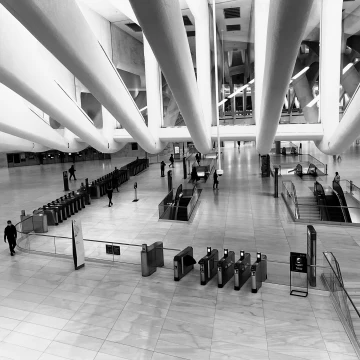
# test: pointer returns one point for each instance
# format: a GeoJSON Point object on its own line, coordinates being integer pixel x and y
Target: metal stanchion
{"type": "Point", "coordinates": [135, 188]}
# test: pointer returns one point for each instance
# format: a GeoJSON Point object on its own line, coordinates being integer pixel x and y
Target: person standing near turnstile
{"type": "Point", "coordinates": [115, 179]}
{"type": "Point", "coordinates": [109, 192]}
{"type": "Point", "coordinates": [72, 172]}
{"type": "Point", "coordinates": [162, 168]}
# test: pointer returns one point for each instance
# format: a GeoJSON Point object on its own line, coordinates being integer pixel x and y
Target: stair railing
{"type": "Point", "coordinates": [342, 207]}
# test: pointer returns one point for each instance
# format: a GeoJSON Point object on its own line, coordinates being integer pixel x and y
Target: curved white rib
{"type": "Point", "coordinates": [19, 120]}
{"type": "Point", "coordinates": [163, 27]}
{"type": "Point", "coordinates": [11, 143]}
{"type": "Point", "coordinates": [64, 31]}
{"type": "Point", "coordinates": [23, 70]}
{"type": "Point", "coordinates": [286, 25]}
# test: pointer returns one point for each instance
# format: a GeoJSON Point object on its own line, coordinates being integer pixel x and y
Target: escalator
{"type": "Point", "coordinates": [332, 203]}
{"type": "Point", "coordinates": [339, 193]}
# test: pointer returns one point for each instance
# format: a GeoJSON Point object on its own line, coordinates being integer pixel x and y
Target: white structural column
{"type": "Point", "coordinates": [304, 94]}
{"type": "Point", "coordinates": [200, 10]}
{"type": "Point", "coordinates": [23, 70]}
{"type": "Point", "coordinates": [261, 20]}
{"type": "Point", "coordinates": [330, 62]}
{"type": "Point", "coordinates": [350, 78]}
{"type": "Point", "coordinates": [17, 119]}
{"type": "Point", "coordinates": [153, 90]}
{"type": "Point", "coordinates": [63, 30]}
{"type": "Point", "coordinates": [285, 28]}
{"type": "Point", "coordinates": [10, 143]}
{"type": "Point", "coordinates": [163, 27]}
{"type": "Point", "coordinates": [154, 94]}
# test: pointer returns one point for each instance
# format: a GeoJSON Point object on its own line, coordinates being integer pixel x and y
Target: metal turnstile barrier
{"type": "Point", "coordinates": [225, 268]}
{"type": "Point", "coordinates": [208, 265]}
{"type": "Point", "coordinates": [152, 256]}
{"type": "Point", "coordinates": [183, 263]}
{"type": "Point", "coordinates": [258, 272]}
{"type": "Point", "coordinates": [242, 270]}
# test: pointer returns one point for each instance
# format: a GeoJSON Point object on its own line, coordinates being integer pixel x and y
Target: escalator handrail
{"type": "Point", "coordinates": [343, 203]}
{"type": "Point", "coordinates": [320, 193]}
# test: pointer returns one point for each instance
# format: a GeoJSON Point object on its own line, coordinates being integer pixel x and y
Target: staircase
{"type": "Point", "coordinates": [353, 289]}
{"type": "Point", "coordinates": [308, 208]}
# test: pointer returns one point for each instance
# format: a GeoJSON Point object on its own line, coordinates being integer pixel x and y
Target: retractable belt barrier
{"type": "Point", "coordinates": [242, 270]}
{"type": "Point", "coordinates": [225, 267]}
{"type": "Point", "coordinates": [208, 267]}
{"type": "Point", "coordinates": [183, 263]}
{"type": "Point", "coordinates": [152, 256]}
{"type": "Point", "coordinates": [258, 272]}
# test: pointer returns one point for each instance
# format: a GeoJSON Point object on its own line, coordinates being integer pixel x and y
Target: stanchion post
{"type": "Point", "coordinates": [184, 168]}
{"type": "Point", "coordinates": [66, 181]}
{"type": "Point", "coordinates": [135, 188]}
{"type": "Point", "coordinates": [276, 182]}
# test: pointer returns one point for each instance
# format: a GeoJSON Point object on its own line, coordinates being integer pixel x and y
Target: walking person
{"type": "Point", "coordinates": [109, 192]}
{"type": "Point", "coordinates": [216, 181]}
{"type": "Point", "coordinates": [72, 172]}
{"type": "Point", "coordinates": [115, 179]}
{"type": "Point", "coordinates": [171, 159]}
{"type": "Point", "coordinates": [162, 168]}
{"type": "Point", "coordinates": [11, 234]}
{"type": "Point", "coordinates": [337, 178]}
{"type": "Point", "coordinates": [194, 175]}
{"type": "Point", "coordinates": [197, 157]}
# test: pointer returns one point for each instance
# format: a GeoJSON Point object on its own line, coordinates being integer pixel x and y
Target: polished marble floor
{"type": "Point", "coordinates": [103, 312]}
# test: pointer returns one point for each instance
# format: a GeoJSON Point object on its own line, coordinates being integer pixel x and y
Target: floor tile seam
{"type": "Point", "coordinates": [185, 333]}
{"type": "Point", "coordinates": [21, 345]}
{"type": "Point", "coordinates": [342, 329]}
{"type": "Point", "coordinates": [80, 347]}
{"type": "Point", "coordinates": [162, 325]}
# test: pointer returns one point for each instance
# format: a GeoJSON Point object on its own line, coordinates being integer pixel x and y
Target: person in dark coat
{"type": "Point", "coordinates": [197, 158]}
{"type": "Point", "coordinates": [109, 192]}
{"type": "Point", "coordinates": [194, 175]}
{"type": "Point", "coordinates": [72, 172]}
{"type": "Point", "coordinates": [11, 234]}
{"type": "Point", "coordinates": [216, 181]}
{"type": "Point", "coordinates": [171, 159]}
{"type": "Point", "coordinates": [115, 179]}
{"type": "Point", "coordinates": [162, 168]}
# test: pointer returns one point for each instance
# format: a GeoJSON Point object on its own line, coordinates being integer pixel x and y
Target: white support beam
{"type": "Point", "coordinates": [330, 61]}
{"type": "Point", "coordinates": [23, 70]}
{"type": "Point", "coordinates": [285, 28]}
{"type": "Point", "coordinates": [11, 143]}
{"type": "Point", "coordinates": [162, 24]}
{"type": "Point", "coordinates": [200, 10]}
{"type": "Point", "coordinates": [64, 31]}
{"type": "Point", "coordinates": [19, 120]}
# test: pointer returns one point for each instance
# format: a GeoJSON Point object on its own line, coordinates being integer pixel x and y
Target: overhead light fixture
{"type": "Point", "coordinates": [238, 91]}
{"type": "Point", "coordinates": [222, 102]}
{"type": "Point", "coordinates": [347, 67]}
{"type": "Point", "coordinates": [241, 89]}
{"type": "Point", "coordinates": [303, 71]}
{"type": "Point", "coordinates": [313, 101]}
{"type": "Point", "coordinates": [143, 109]}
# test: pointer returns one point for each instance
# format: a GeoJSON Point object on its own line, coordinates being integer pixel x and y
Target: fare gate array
{"type": "Point", "coordinates": [225, 269]}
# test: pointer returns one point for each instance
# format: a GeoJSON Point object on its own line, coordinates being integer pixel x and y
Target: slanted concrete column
{"type": "Point", "coordinates": [304, 94]}
{"type": "Point", "coordinates": [286, 25]}
{"type": "Point", "coordinates": [162, 24]}
{"type": "Point", "coordinates": [64, 31]}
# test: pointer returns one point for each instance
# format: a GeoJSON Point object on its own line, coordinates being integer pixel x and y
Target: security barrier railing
{"type": "Point", "coordinates": [95, 250]}
{"type": "Point", "coordinates": [344, 305]}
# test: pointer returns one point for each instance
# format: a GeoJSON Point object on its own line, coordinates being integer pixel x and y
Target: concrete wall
{"type": "Point", "coordinates": [128, 53]}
